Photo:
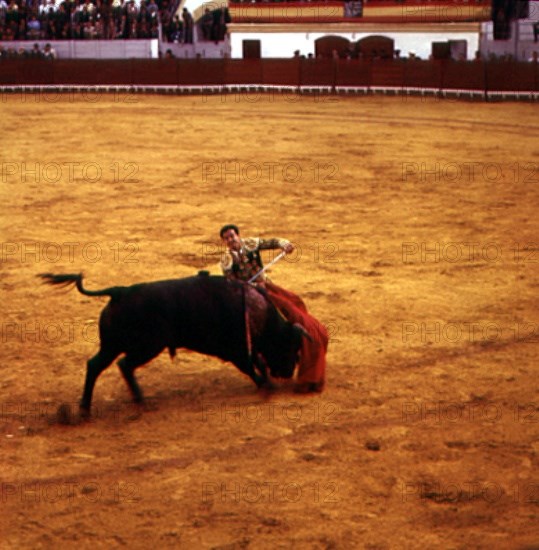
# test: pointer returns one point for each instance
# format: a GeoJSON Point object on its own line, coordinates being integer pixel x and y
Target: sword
{"type": "Point", "coordinates": [274, 261]}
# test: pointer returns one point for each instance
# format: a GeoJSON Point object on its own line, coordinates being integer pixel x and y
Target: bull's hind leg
{"type": "Point", "coordinates": [127, 370]}
{"type": "Point", "coordinates": [127, 366]}
{"type": "Point", "coordinates": [95, 366]}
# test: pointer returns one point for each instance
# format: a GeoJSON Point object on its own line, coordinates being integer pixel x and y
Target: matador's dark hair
{"type": "Point", "coordinates": [225, 228]}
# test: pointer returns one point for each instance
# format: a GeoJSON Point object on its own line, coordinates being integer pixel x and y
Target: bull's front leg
{"type": "Point", "coordinates": [262, 378]}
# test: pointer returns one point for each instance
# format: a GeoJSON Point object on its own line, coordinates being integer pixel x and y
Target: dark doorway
{"type": "Point", "coordinates": [251, 49]}
{"type": "Point", "coordinates": [372, 47]}
{"type": "Point", "coordinates": [331, 46]}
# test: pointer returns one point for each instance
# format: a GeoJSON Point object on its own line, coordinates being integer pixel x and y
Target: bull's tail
{"type": "Point", "coordinates": [76, 279]}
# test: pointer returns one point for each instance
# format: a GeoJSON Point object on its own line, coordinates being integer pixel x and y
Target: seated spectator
{"type": "Point", "coordinates": [98, 27]}
{"type": "Point", "coordinates": [89, 29]}
{"type": "Point", "coordinates": [34, 28]}
{"type": "Point", "coordinates": [143, 31]}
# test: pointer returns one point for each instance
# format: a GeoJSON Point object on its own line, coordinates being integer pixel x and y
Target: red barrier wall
{"type": "Point", "coordinates": [423, 74]}
{"type": "Point", "coordinates": [458, 76]}
{"type": "Point", "coordinates": [243, 71]}
{"type": "Point", "coordinates": [282, 72]}
{"type": "Point", "coordinates": [353, 73]}
{"type": "Point", "coordinates": [388, 73]}
{"type": "Point", "coordinates": [317, 72]}
{"type": "Point", "coordinates": [442, 74]}
{"type": "Point", "coordinates": [517, 77]}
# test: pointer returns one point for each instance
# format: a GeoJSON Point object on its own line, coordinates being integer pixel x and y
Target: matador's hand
{"type": "Point", "coordinates": [288, 248]}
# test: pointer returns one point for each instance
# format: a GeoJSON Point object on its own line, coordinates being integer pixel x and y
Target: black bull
{"type": "Point", "coordinates": [204, 313]}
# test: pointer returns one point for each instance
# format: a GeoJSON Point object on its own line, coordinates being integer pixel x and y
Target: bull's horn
{"type": "Point", "coordinates": [303, 331]}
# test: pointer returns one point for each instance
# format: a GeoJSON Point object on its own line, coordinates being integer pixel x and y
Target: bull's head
{"type": "Point", "coordinates": [282, 358]}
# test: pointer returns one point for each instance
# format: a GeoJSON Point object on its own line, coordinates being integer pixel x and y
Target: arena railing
{"type": "Point", "coordinates": [474, 79]}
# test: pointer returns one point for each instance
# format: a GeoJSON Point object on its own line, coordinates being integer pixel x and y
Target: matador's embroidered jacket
{"type": "Point", "coordinates": [244, 263]}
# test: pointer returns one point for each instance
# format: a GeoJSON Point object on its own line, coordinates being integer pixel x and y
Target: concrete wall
{"type": "Point", "coordinates": [284, 44]}
{"type": "Point", "coordinates": [94, 49]}
{"type": "Point", "coordinates": [521, 45]}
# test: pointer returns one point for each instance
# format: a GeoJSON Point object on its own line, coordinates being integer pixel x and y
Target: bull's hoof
{"type": "Point", "coordinates": [267, 385]}
{"type": "Point", "coordinates": [309, 387]}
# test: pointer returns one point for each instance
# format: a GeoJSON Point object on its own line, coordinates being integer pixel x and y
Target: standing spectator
{"type": "Point", "coordinates": [61, 20]}
{"type": "Point", "coordinates": [152, 8]}
{"type": "Point", "coordinates": [105, 10]}
{"type": "Point", "coordinates": [49, 52]}
{"type": "Point", "coordinates": [12, 21]}
{"type": "Point", "coordinates": [35, 52]}
{"type": "Point", "coordinates": [206, 22]}
{"type": "Point", "coordinates": [175, 30]}
{"type": "Point", "coordinates": [187, 26]}
{"type": "Point", "coordinates": [117, 9]}
{"type": "Point", "coordinates": [3, 11]}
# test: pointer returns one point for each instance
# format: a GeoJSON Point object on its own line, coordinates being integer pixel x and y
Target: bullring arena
{"type": "Point", "coordinates": [415, 225]}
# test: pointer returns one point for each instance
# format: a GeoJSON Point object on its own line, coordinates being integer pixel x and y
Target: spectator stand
{"type": "Point", "coordinates": [108, 29]}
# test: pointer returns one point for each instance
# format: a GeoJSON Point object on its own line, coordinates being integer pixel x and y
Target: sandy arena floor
{"type": "Point", "coordinates": [416, 226]}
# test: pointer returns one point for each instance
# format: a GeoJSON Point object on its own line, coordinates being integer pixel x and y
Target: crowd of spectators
{"type": "Point", "coordinates": [48, 52]}
{"type": "Point", "coordinates": [399, 2]}
{"type": "Point", "coordinates": [88, 19]}
{"type": "Point", "coordinates": [106, 19]}
{"type": "Point", "coordinates": [213, 24]}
